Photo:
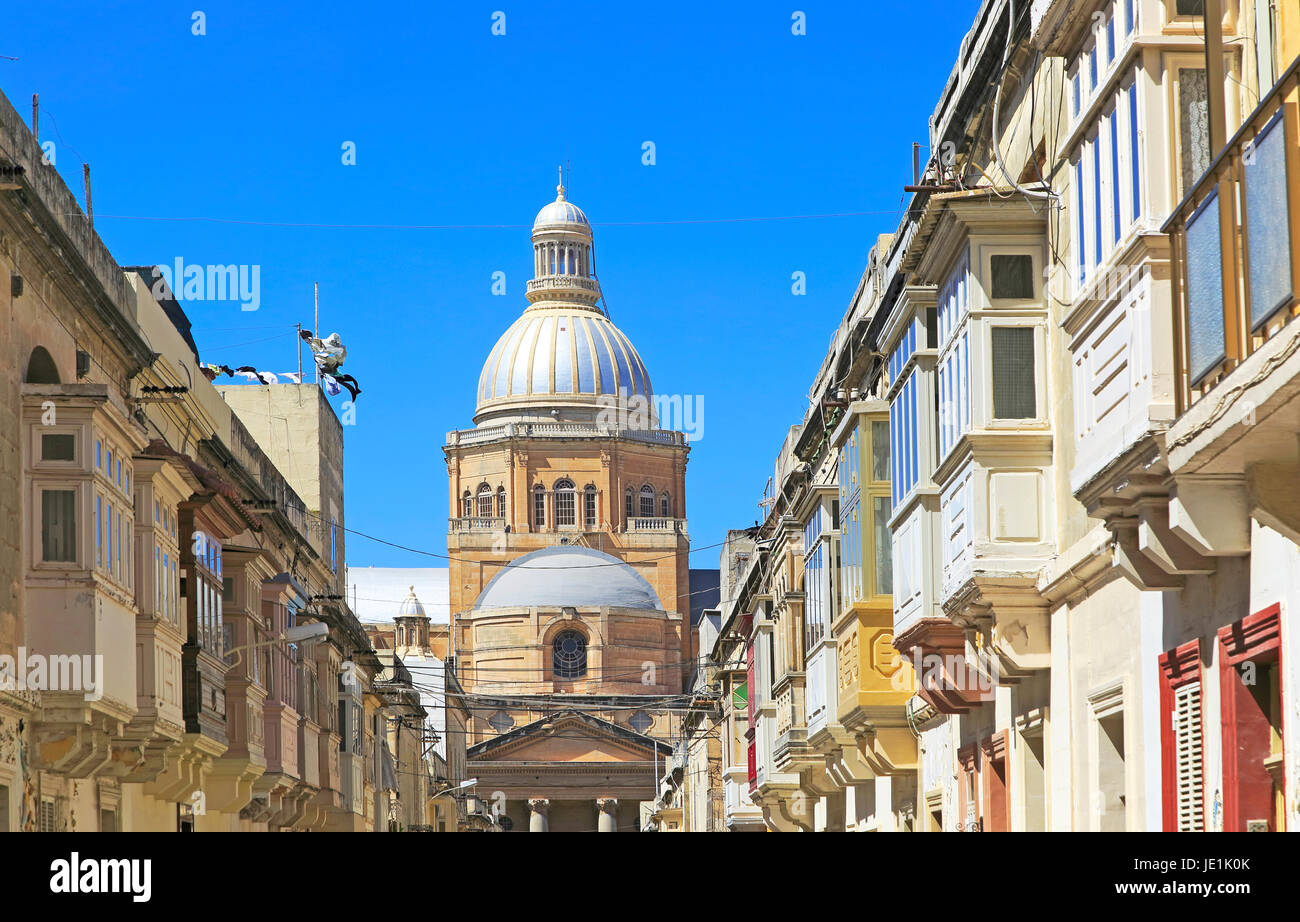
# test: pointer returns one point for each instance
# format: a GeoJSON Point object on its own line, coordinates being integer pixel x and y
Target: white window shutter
{"type": "Point", "coordinates": [1188, 757]}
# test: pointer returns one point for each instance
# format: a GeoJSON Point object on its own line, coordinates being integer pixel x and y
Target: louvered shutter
{"type": "Point", "coordinates": [1188, 756]}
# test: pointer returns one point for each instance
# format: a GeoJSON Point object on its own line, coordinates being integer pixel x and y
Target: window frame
{"type": "Point", "coordinates": [1039, 419]}
{"type": "Point", "coordinates": [580, 668]}
{"type": "Point", "coordinates": [565, 498]}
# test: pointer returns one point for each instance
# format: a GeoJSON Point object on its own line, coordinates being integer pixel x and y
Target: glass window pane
{"type": "Point", "coordinates": [564, 507]}
{"type": "Point", "coordinates": [1013, 276]}
{"type": "Point", "coordinates": [1013, 373]}
{"type": "Point", "coordinates": [58, 447]}
{"type": "Point", "coordinates": [1205, 340]}
{"type": "Point", "coordinates": [1193, 124]}
{"type": "Point", "coordinates": [1267, 226]}
{"type": "Point", "coordinates": [880, 450]}
{"type": "Point", "coordinates": [884, 547]}
{"type": "Point", "coordinates": [58, 525]}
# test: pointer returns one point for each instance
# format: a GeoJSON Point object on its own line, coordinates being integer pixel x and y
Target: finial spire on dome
{"type": "Point", "coordinates": [559, 189]}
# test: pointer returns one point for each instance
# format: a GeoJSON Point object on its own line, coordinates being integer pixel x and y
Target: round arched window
{"type": "Point", "coordinates": [565, 511]}
{"type": "Point", "coordinates": [569, 655]}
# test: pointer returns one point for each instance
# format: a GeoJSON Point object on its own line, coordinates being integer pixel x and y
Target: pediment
{"type": "Point", "coordinates": [571, 737]}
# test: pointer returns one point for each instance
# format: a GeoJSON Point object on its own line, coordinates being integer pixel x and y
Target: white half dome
{"type": "Point", "coordinates": [568, 576]}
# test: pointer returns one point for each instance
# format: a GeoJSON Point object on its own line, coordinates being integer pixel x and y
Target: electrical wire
{"type": "Point", "coordinates": [345, 226]}
{"type": "Point", "coordinates": [413, 550]}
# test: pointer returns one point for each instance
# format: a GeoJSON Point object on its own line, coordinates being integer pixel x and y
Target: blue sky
{"type": "Point", "coordinates": [456, 126]}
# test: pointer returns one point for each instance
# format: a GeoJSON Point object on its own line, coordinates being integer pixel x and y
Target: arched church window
{"type": "Point", "coordinates": [539, 506]}
{"type": "Point", "coordinates": [664, 505]}
{"type": "Point", "coordinates": [640, 721]}
{"type": "Point", "coordinates": [629, 510]}
{"type": "Point", "coordinates": [647, 501]}
{"type": "Point", "coordinates": [501, 502]}
{"type": "Point", "coordinates": [484, 501]}
{"type": "Point", "coordinates": [501, 721]}
{"type": "Point", "coordinates": [589, 506]}
{"type": "Point", "coordinates": [569, 655]}
{"type": "Point", "coordinates": [565, 501]}
{"type": "Point", "coordinates": [467, 505]}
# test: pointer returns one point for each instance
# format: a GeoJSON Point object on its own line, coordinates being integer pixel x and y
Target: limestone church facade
{"type": "Point", "coordinates": [569, 557]}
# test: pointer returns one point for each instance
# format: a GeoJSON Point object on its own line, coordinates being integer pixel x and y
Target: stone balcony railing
{"type": "Point", "coordinates": [563, 283]}
{"type": "Point", "coordinates": [562, 431]}
{"type": "Point", "coordinates": [656, 525]}
{"type": "Point", "coordinates": [477, 523]}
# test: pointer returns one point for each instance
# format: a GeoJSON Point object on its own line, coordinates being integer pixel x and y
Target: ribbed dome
{"type": "Point", "coordinates": [568, 576]}
{"type": "Point", "coordinates": [411, 607]}
{"type": "Point", "coordinates": [561, 212]}
{"type": "Point", "coordinates": [555, 351]}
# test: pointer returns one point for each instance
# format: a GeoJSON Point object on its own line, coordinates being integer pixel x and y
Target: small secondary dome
{"type": "Point", "coordinates": [568, 576]}
{"type": "Point", "coordinates": [561, 212]}
{"type": "Point", "coordinates": [411, 607]}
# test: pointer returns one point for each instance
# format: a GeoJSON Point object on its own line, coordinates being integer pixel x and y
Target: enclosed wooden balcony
{"type": "Point", "coordinates": [1236, 249]}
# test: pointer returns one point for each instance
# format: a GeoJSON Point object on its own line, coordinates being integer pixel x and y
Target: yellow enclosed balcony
{"type": "Point", "coordinates": [1237, 250]}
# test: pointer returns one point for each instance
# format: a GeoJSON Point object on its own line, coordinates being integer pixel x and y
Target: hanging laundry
{"type": "Point", "coordinates": [212, 372]}
{"type": "Point", "coordinates": [252, 374]}
{"type": "Point", "coordinates": [351, 384]}
{"type": "Point", "coordinates": [330, 352]}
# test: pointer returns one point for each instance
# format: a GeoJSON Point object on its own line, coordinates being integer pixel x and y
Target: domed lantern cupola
{"type": "Point", "coordinates": [412, 624]}
{"type": "Point", "coordinates": [562, 257]}
{"type": "Point", "coordinates": [564, 360]}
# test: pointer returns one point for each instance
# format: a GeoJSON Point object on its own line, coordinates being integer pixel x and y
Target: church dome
{"type": "Point", "coordinates": [563, 359]}
{"type": "Point", "coordinates": [411, 607]}
{"type": "Point", "coordinates": [568, 576]}
{"type": "Point", "coordinates": [557, 352]}
{"type": "Point", "coordinates": [559, 213]}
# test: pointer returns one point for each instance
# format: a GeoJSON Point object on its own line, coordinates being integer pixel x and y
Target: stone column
{"type": "Point", "coordinates": [537, 813]}
{"type": "Point", "coordinates": [607, 807]}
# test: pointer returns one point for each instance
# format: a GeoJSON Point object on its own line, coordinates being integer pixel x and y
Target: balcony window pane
{"type": "Point", "coordinates": [1205, 341]}
{"type": "Point", "coordinates": [1134, 157]}
{"type": "Point", "coordinates": [880, 450]}
{"type": "Point", "coordinates": [1012, 276]}
{"type": "Point", "coordinates": [1193, 124]}
{"type": "Point", "coordinates": [1116, 222]}
{"type": "Point", "coordinates": [884, 547]}
{"type": "Point", "coordinates": [1013, 373]}
{"type": "Point", "coordinates": [1269, 236]}
{"type": "Point", "coordinates": [58, 525]}
{"type": "Point", "coordinates": [58, 447]}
